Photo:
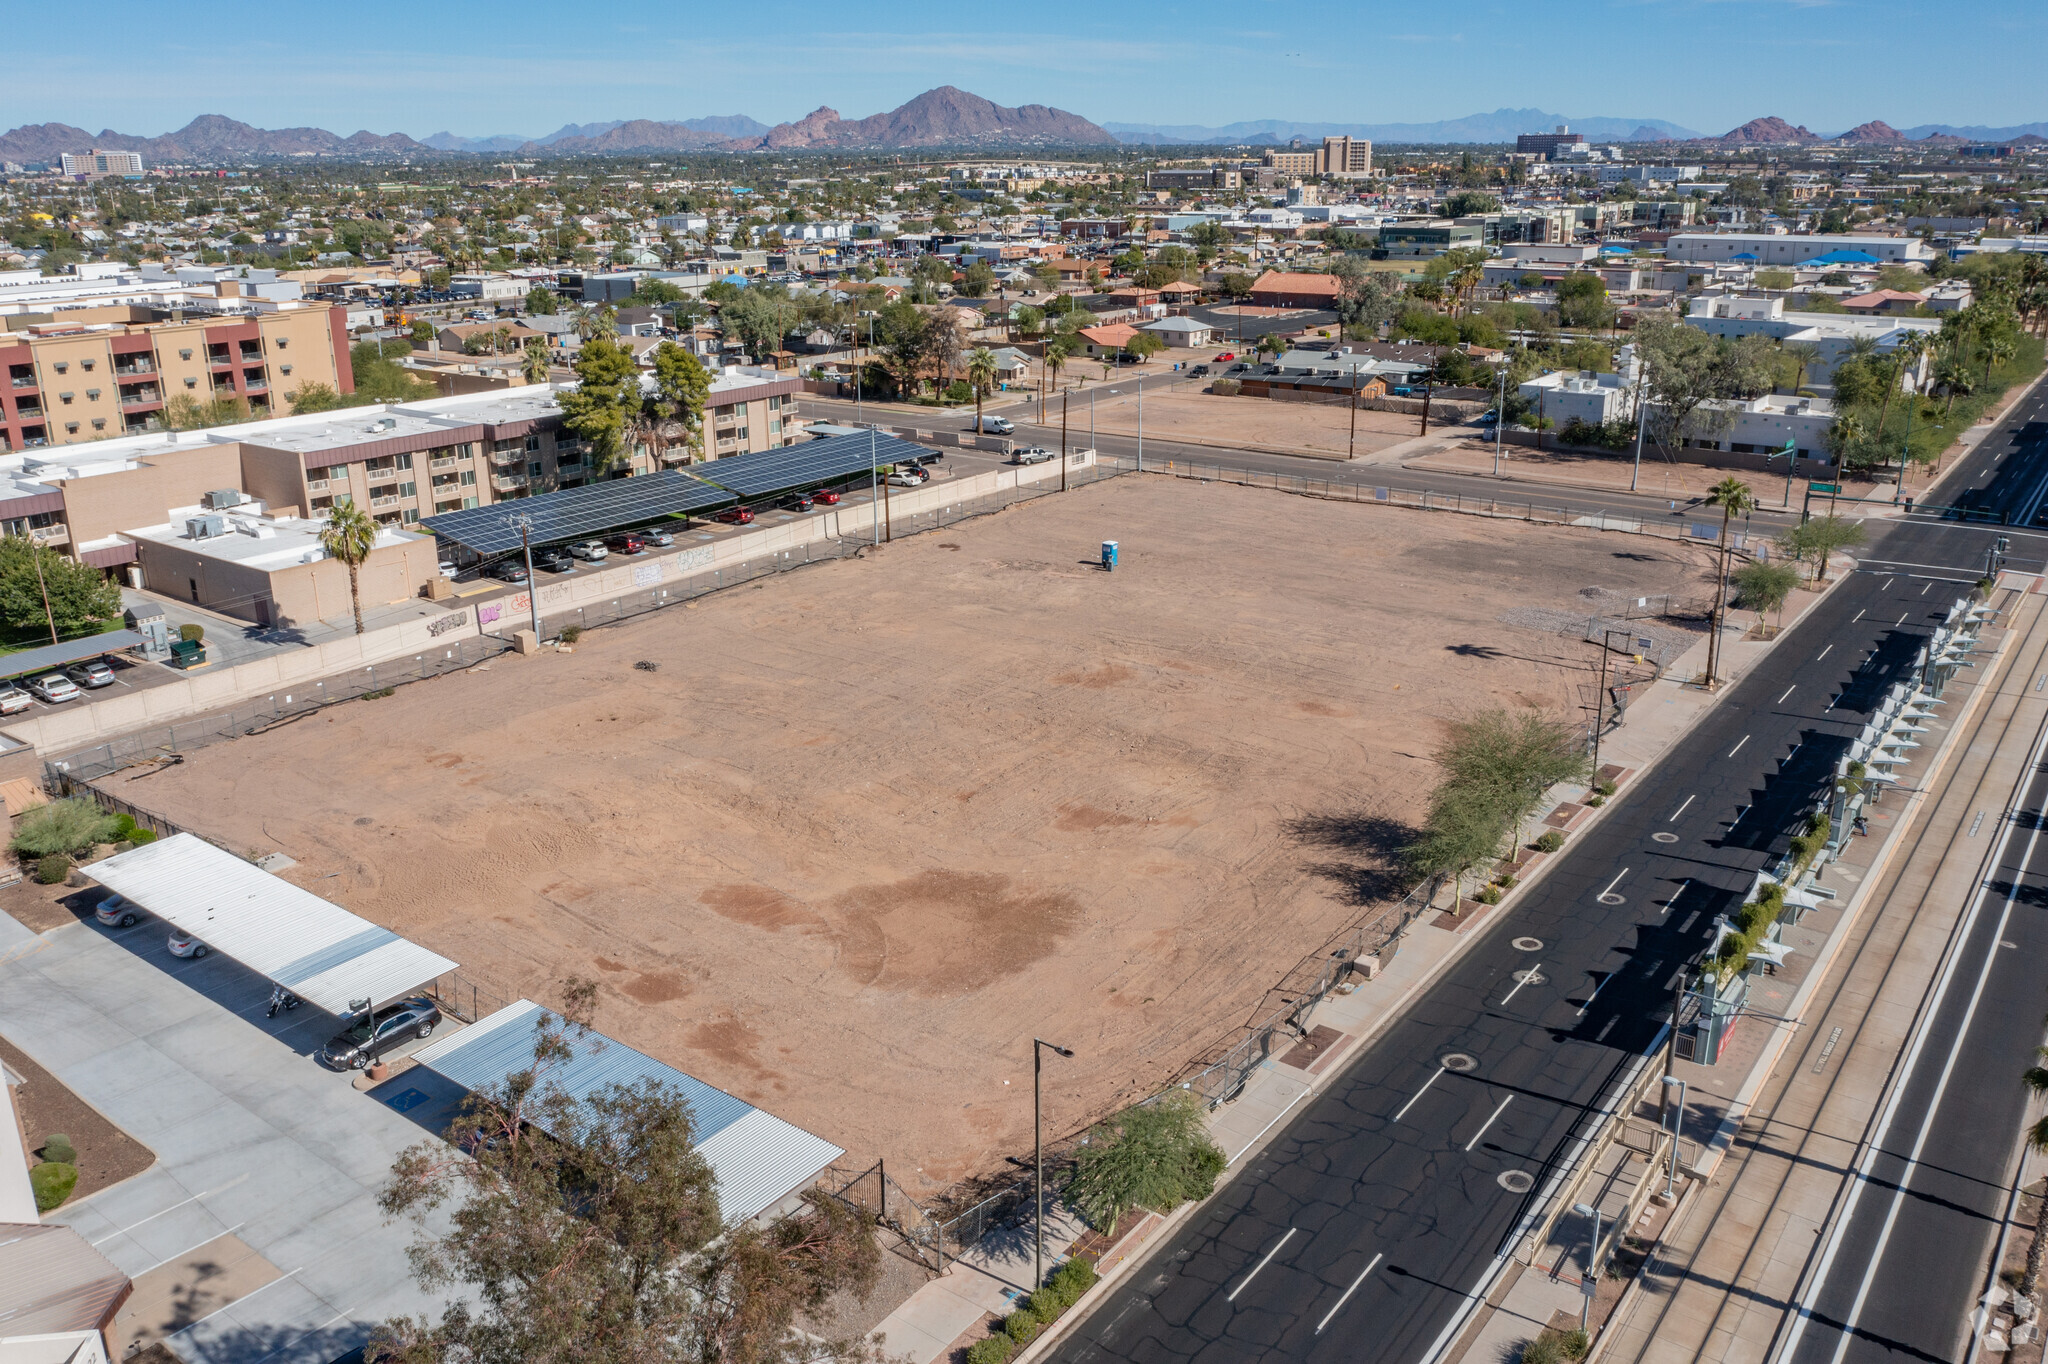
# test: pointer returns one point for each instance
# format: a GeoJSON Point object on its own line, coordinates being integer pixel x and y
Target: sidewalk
{"type": "Point", "coordinates": [1717, 1285]}
{"type": "Point", "coordinates": [949, 1312]}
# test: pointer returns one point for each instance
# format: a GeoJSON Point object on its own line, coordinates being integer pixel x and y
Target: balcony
{"type": "Point", "coordinates": [388, 500]}
{"type": "Point", "coordinates": [501, 458]}
{"type": "Point", "coordinates": [509, 483]}
{"type": "Point", "coordinates": [23, 381]}
{"type": "Point", "coordinates": [139, 366]}
{"type": "Point", "coordinates": [27, 410]}
{"type": "Point", "coordinates": [51, 535]}
{"type": "Point", "coordinates": [446, 462]}
{"type": "Point", "coordinates": [316, 485]}
{"type": "Point", "coordinates": [676, 454]}
{"type": "Point", "coordinates": [148, 397]}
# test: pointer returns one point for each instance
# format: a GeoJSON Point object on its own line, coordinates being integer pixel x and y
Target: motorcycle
{"type": "Point", "coordinates": [280, 998]}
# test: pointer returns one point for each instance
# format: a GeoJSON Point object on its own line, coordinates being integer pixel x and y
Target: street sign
{"type": "Point", "coordinates": [1823, 487]}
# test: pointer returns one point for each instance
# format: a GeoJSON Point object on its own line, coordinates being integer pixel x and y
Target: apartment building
{"type": "Point", "coordinates": [1340, 158]}
{"type": "Point", "coordinates": [1199, 179]}
{"type": "Point", "coordinates": [1832, 335]}
{"type": "Point", "coordinates": [99, 165]}
{"type": "Point", "coordinates": [749, 409]}
{"type": "Point", "coordinates": [1547, 145]}
{"type": "Point", "coordinates": [90, 374]}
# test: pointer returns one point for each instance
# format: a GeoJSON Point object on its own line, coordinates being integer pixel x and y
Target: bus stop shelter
{"type": "Point", "coordinates": [334, 960]}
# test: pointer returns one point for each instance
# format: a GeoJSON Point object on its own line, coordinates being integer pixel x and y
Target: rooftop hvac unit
{"type": "Point", "coordinates": [202, 527]}
{"type": "Point", "coordinates": [223, 497]}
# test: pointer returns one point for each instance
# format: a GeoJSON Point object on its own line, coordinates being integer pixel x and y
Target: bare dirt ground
{"type": "Point", "coordinates": [1187, 413]}
{"type": "Point", "coordinates": [1660, 477]}
{"type": "Point", "coordinates": [872, 826]}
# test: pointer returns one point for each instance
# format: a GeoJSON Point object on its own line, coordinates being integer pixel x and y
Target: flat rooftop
{"type": "Point", "coordinates": [268, 543]}
{"type": "Point", "coordinates": [355, 426]}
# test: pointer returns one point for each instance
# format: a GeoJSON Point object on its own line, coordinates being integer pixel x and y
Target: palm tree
{"type": "Point", "coordinates": [981, 374]}
{"type": "Point", "coordinates": [1954, 377]}
{"type": "Point", "coordinates": [2036, 1079]}
{"type": "Point", "coordinates": [1804, 354]}
{"type": "Point", "coordinates": [1997, 351]}
{"type": "Point", "coordinates": [1465, 280]}
{"type": "Point", "coordinates": [533, 365]}
{"type": "Point", "coordinates": [1734, 498]}
{"type": "Point", "coordinates": [349, 536]}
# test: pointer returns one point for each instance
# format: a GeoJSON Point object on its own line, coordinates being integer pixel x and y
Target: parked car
{"type": "Point", "coordinates": [509, 571]}
{"type": "Point", "coordinates": [902, 477]}
{"type": "Point", "coordinates": [116, 912]}
{"type": "Point", "coordinates": [183, 944]}
{"type": "Point", "coordinates": [657, 538]}
{"type": "Point", "coordinates": [1227, 355]}
{"type": "Point", "coordinates": [993, 425]}
{"type": "Point", "coordinates": [591, 550]}
{"type": "Point", "coordinates": [13, 700]}
{"type": "Point", "coordinates": [54, 687]}
{"type": "Point", "coordinates": [1402, 391]}
{"type": "Point", "coordinates": [802, 502]}
{"type": "Point", "coordinates": [553, 560]}
{"type": "Point", "coordinates": [825, 497]}
{"type": "Point", "coordinates": [626, 544]}
{"type": "Point", "coordinates": [1033, 454]}
{"type": "Point", "coordinates": [448, 570]}
{"type": "Point", "coordinates": [1489, 417]}
{"type": "Point", "coordinates": [735, 516]}
{"type": "Point", "coordinates": [92, 673]}
{"type": "Point", "coordinates": [366, 1040]}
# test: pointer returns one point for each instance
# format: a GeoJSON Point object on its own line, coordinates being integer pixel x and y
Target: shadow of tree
{"type": "Point", "coordinates": [1373, 840]}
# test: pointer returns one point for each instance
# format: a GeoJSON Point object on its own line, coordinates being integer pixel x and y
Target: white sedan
{"type": "Point", "coordinates": [183, 944]}
{"type": "Point", "coordinates": [54, 687]}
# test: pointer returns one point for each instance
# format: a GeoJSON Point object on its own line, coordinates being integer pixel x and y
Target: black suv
{"type": "Point", "coordinates": [355, 1047]}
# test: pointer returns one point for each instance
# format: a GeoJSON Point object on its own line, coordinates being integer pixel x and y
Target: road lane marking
{"type": "Point", "coordinates": [1823, 653]}
{"type": "Point", "coordinates": [1924, 591]}
{"type": "Point", "coordinates": [1260, 1265]}
{"type": "Point", "coordinates": [1889, 580]}
{"type": "Point", "coordinates": [1858, 616]}
{"type": "Point", "coordinates": [1489, 1122]}
{"type": "Point", "coordinates": [1348, 1292]}
{"type": "Point", "coordinates": [1684, 885]}
{"type": "Point", "coordinates": [1745, 739]}
{"type": "Point", "coordinates": [1524, 978]}
{"type": "Point", "coordinates": [1419, 1093]}
{"type": "Point", "coordinates": [1618, 875]}
{"type": "Point", "coordinates": [1595, 995]}
{"type": "Point", "coordinates": [1901, 620]}
{"type": "Point", "coordinates": [1681, 809]}
{"type": "Point", "coordinates": [1788, 691]}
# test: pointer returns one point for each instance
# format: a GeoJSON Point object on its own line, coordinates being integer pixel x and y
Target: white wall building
{"type": "Point", "coordinates": [1588, 396]}
{"type": "Point", "coordinates": [1767, 248]}
{"type": "Point", "coordinates": [1830, 334]}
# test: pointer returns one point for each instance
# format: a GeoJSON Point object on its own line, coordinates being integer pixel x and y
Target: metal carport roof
{"type": "Point", "coordinates": [313, 947]}
{"type": "Point", "coordinates": [809, 465]}
{"type": "Point", "coordinates": [613, 504]}
{"type": "Point", "coordinates": [758, 1158]}
{"type": "Point", "coordinates": [51, 656]}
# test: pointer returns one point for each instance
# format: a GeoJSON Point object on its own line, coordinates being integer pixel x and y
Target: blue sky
{"type": "Point", "coordinates": [527, 67]}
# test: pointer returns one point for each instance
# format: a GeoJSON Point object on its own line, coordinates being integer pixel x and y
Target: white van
{"type": "Point", "coordinates": [995, 426]}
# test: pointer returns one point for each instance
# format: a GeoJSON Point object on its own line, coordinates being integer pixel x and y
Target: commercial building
{"type": "Point", "coordinates": [1340, 158]}
{"type": "Point", "coordinates": [1211, 178]}
{"type": "Point", "coordinates": [1587, 396]}
{"type": "Point", "coordinates": [1830, 334]}
{"type": "Point", "coordinates": [98, 165]}
{"type": "Point", "coordinates": [1278, 289]}
{"type": "Point", "coordinates": [1546, 145]}
{"type": "Point", "coordinates": [1764, 248]}
{"type": "Point", "coordinates": [93, 373]}
{"type": "Point", "coordinates": [1421, 238]}
{"type": "Point", "coordinates": [488, 288]}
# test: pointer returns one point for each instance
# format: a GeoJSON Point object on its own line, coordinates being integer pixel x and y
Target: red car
{"type": "Point", "coordinates": [626, 544]}
{"type": "Point", "coordinates": [1227, 355]}
{"type": "Point", "coordinates": [735, 516]}
{"type": "Point", "coordinates": [826, 497]}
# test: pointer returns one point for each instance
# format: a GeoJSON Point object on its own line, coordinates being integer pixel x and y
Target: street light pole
{"type": "Point", "coordinates": [1038, 1157]}
{"type": "Point", "coordinates": [1500, 418]}
{"type": "Point", "coordinates": [874, 486]}
{"type": "Point", "coordinates": [532, 588]}
{"type": "Point", "coordinates": [1642, 412]}
{"type": "Point", "coordinates": [1141, 423]}
{"type": "Point", "coordinates": [1592, 1253]}
{"type": "Point", "coordinates": [1678, 1124]}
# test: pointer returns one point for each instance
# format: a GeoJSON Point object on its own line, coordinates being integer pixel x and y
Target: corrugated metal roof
{"type": "Point", "coordinates": [313, 947]}
{"type": "Point", "coordinates": [51, 1280]}
{"type": "Point", "coordinates": [758, 1158]}
{"type": "Point", "coordinates": [57, 655]}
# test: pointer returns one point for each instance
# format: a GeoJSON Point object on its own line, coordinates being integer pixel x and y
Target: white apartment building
{"type": "Point", "coordinates": [1765, 248]}
{"type": "Point", "coordinates": [1588, 396]}
{"type": "Point", "coordinates": [1828, 333]}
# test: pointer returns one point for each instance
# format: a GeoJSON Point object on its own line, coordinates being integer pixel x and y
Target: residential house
{"type": "Point", "coordinates": [1182, 332]}
{"type": "Point", "coordinates": [1275, 289]}
{"type": "Point", "coordinates": [1107, 341]}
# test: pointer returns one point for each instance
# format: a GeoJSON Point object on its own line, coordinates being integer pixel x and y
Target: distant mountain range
{"type": "Point", "coordinates": [943, 118]}
{"type": "Point", "coordinates": [1502, 125]}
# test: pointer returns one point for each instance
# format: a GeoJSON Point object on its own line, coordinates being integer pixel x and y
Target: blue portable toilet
{"type": "Point", "coordinates": [1109, 556]}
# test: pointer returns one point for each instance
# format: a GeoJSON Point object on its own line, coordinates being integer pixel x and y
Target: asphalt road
{"type": "Point", "coordinates": [1358, 1233]}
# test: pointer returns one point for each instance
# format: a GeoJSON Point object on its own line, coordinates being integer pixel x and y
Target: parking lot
{"type": "Point", "coordinates": [255, 1237]}
{"type": "Point", "coordinates": [128, 674]}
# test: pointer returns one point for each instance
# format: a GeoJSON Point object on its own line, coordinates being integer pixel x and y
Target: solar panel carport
{"type": "Point", "coordinates": [807, 466]}
{"type": "Point", "coordinates": [577, 513]}
{"type": "Point", "coordinates": [312, 947]}
{"type": "Point", "coordinates": [758, 1159]}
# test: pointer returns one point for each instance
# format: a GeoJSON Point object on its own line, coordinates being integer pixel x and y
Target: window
{"type": "Point", "coordinates": [408, 490]}
{"type": "Point", "coordinates": [287, 369]}
{"type": "Point", "coordinates": [64, 397]}
{"type": "Point", "coordinates": [92, 395]}
{"type": "Point", "coordinates": [740, 434]}
{"type": "Point", "coordinates": [86, 364]}
{"type": "Point", "coordinates": [99, 423]}
{"type": "Point", "coordinates": [469, 478]}
{"type": "Point", "coordinates": [412, 514]}
{"type": "Point", "coordinates": [533, 444]}
{"type": "Point", "coordinates": [63, 366]}
{"type": "Point", "coordinates": [283, 341]}
{"type": "Point", "coordinates": [185, 353]}
{"type": "Point", "coordinates": [70, 428]}
{"type": "Point", "coordinates": [191, 382]}
{"type": "Point", "coordinates": [533, 469]}
{"type": "Point", "coordinates": [321, 504]}
{"type": "Point", "coordinates": [468, 502]}
{"type": "Point", "coordinates": [401, 462]}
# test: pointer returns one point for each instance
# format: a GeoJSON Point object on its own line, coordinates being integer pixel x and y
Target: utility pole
{"type": "Point", "coordinates": [1038, 1159]}
{"type": "Point", "coordinates": [1141, 423]}
{"type": "Point", "coordinates": [1351, 450]}
{"type": "Point", "coordinates": [1642, 413]}
{"type": "Point", "coordinates": [1500, 418]}
{"type": "Point", "coordinates": [35, 552]}
{"type": "Point", "coordinates": [1063, 441]}
{"type": "Point", "coordinates": [874, 485]}
{"type": "Point", "coordinates": [1600, 697]}
{"type": "Point", "coordinates": [525, 524]}
{"type": "Point", "coordinates": [1428, 389]}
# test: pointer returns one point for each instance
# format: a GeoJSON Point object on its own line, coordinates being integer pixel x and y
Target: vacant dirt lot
{"type": "Point", "coordinates": [871, 826]}
{"type": "Point", "coordinates": [1187, 413]}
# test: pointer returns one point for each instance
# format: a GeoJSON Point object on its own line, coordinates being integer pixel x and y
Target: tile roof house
{"type": "Point", "coordinates": [1882, 301]}
{"type": "Point", "coordinates": [1107, 340]}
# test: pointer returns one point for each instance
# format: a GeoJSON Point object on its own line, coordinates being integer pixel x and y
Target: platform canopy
{"type": "Point", "coordinates": [313, 947]}
{"type": "Point", "coordinates": [758, 1159]}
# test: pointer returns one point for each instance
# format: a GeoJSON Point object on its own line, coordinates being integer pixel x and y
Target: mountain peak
{"type": "Point", "coordinates": [1875, 132]}
{"type": "Point", "coordinates": [1767, 131]}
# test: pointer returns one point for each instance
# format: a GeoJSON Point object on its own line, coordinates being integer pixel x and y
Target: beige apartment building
{"type": "Point", "coordinates": [90, 374]}
{"type": "Point", "coordinates": [1342, 158]}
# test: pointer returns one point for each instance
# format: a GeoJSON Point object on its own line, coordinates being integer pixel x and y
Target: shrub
{"type": "Point", "coordinates": [959, 392]}
{"type": "Point", "coordinates": [1226, 388]}
{"type": "Point", "coordinates": [1049, 1302]}
{"type": "Point", "coordinates": [53, 1182]}
{"type": "Point", "coordinates": [53, 869]}
{"type": "Point", "coordinates": [1605, 788]}
{"type": "Point", "coordinates": [63, 826]}
{"type": "Point", "coordinates": [1506, 880]}
{"type": "Point", "coordinates": [1076, 1277]}
{"type": "Point", "coordinates": [571, 633]}
{"type": "Point", "coordinates": [57, 1147]}
{"type": "Point", "coordinates": [191, 632]}
{"type": "Point", "coordinates": [1542, 1350]}
{"type": "Point", "coordinates": [1022, 1325]}
{"type": "Point", "coordinates": [1155, 1155]}
{"type": "Point", "coordinates": [1596, 800]}
{"type": "Point", "coordinates": [142, 836]}
{"type": "Point", "coordinates": [994, 1350]}
{"type": "Point", "coordinates": [1490, 896]}
{"type": "Point", "coordinates": [1550, 841]}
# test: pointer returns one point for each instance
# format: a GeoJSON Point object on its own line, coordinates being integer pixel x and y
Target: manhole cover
{"type": "Point", "coordinates": [1610, 898]}
{"type": "Point", "coordinates": [1530, 977]}
{"type": "Point", "coordinates": [1458, 1061]}
{"type": "Point", "coordinates": [1528, 944]}
{"type": "Point", "coordinates": [1663, 838]}
{"type": "Point", "coordinates": [1516, 1181]}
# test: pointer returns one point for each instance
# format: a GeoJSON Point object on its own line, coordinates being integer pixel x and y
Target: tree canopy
{"type": "Point", "coordinates": [82, 599]}
{"type": "Point", "coordinates": [605, 399]}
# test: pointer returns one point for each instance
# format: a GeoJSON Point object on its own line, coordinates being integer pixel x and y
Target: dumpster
{"type": "Point", "coordinates": [188, 653]}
